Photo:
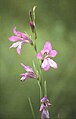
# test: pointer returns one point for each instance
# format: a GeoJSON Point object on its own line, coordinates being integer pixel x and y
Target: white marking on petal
{"type": "Point", "coordinates": [19, 48]}
{"type": "Point", "coordinates": [45, 65]}
{"type": "Point", "coordinates": [42, 107]}
{"type": "Point", "coordinates": [52, 63]}
{"type": "Point", "coordinates": [22, 78]}
{"type": "Point", "coordinates": [14, 45]}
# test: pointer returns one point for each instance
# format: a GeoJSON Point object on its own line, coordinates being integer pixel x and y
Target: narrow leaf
{"type": "Point", "coordinates": [31, 108]}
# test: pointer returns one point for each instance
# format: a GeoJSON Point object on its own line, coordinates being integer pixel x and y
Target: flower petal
{"type": "Point", "coordinates": [42, 107]}
{"type": "Point", "coordinates": [52, 63]}
{"type": "Point", "coordinates": [45, 65]}
{"type": "Point", "coordinates": [24, 76]}
{"type": "Point", "coordinates": [47, 47]}
{"type": "Point", "coordinates": [45, 114]}
{"type": "Point", "coordinates": [44, 99]}
{"type": "Point", "coordinates": [16, 32]}
{"type": "Point", "coordinates": [14, 38]}
{"type": "Point", "coordinates": [53, 53]}
{"type": "Point", "coordinates": [39, 55]}
{"type": "Point", "coordinates": [19, 48]}
{"type": "Point", "coordinates": [27, 68]}
{"type": "Point", "coordinates": [22, 35]}
{"type": "Point", "coordinates": [14, 45]}
{"type": "Point", "coordinates": [32, 75]}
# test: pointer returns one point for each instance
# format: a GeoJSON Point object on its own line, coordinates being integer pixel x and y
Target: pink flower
{"type": "Point", "coordinates": [43, 108]}
{"type": "Point", "coordinates": [45, 114]}
{"type": "Point", "coordinates": [19, 38]}
{"type": "Point", "coordinates": [45, 103]}
{"type": "Point", "coordinates": [29, 73]}
{"type": "Point", "coordinates": [45, 55]}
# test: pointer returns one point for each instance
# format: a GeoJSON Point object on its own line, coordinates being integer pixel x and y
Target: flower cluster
{"type": "Point", "coordinates": [43, 108]}
{"type": "Point", "coordinates": [45, 55]}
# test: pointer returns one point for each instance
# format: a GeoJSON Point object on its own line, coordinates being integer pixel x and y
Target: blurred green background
{"type": "Point", "coordinates": [56, 21]}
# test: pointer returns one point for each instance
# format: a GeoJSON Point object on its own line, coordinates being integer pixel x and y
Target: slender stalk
{"type": "Point", "coordinates": [41, 82]}
{"type": "Point", "coordinates": [45, 91]}
{"type": "Point", "coordinates": [33, 114]}
{"type": "Point", "coordinates": [35, 48]}
{"type": "Point", "coordinates": [40, 90]}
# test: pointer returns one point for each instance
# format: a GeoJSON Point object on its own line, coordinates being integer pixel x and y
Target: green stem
{"type": "Point", "coordinates": [31, 108]}
{"type": "Point", "coordinates": [40, 90]}
{"type": "Point", "coordinates": [40, 82]}
{"type": "Point", "coordinates": [45, 91]}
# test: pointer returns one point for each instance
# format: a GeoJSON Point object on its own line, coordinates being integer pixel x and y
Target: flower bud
{"type": "Point", "coordinates": [31, 24]}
